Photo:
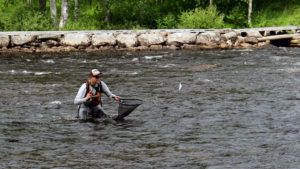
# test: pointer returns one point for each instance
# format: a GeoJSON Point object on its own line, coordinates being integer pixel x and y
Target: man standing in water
{"type": "Point", "coordinates": [89, 97]}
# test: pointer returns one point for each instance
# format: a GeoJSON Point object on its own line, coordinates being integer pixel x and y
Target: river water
{"type": "Point", "coordinates": [242, 113]}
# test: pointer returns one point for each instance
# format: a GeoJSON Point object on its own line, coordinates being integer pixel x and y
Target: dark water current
{"type": "Point", "coordinates": [245, 113]}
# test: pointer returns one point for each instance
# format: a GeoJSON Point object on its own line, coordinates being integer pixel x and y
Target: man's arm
{"type": "Point", "coordinates": [79, 99]}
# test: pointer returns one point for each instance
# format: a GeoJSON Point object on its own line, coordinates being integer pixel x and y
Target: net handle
{"type": "Point", "coordinates": [121, 102]}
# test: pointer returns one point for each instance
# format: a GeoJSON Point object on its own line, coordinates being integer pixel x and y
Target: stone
{"type": "Point", "coordinates": [254, 33]}
{"type": "Point", "coordinates": [208, 38]}
{"type": "Point", "coordinates": [151, 39]}
{"type": "Point", "coordinates": [181, 38]}
{"type": "Point", "coordinates": [230, 36]}
{"type": "Point", "coordinates": [246, 45]}
{"type": "Point", "coordinates": [4, 40]}
{"type": "Point", "coordinates": [145, 47]}
{"type": "Point", "coordinates": [76, 39]}
{"type": "Point", "coordinates": [191, 47]}
{"type": "Point", "coordinates": [22, 39]}
{"type": "Point", "coordinates": [103, 39]}
{"type": "Point", "coordinates": [251, 40]}
{"type": "Point", "coordinates": [51, 43]}
{"type": "Point", "coordinates": [127, 40]}
{"type": "Point", "coordinates": [47, 36]}
{"type": "Point", "coordinates": [156, 47]}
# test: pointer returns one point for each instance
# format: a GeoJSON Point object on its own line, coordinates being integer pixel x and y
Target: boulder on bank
{"type": "Point", "coordinates": [251, 40]}
{"type": "Point", "coordinates": [151, 39]}
{"type": "Point", "coordinates": [22, 39]}
{"type": "Point", "coordinates": [181, 38]}
{"type": "Point", "coordinates": [103, 39]}
{"type": "Point", "coordinates": [48, 36]}
{"type": "Point", "coordinates": [253, 33]}
{"type": "Point", "coordinates": [4, 40]}
{"type": "Point", "coordinates": [208, 38]}
{"type": "Point", "coordinates": [76, 39]}
{"type": "Point", "coordinates": [230, 36]}
{"type": "Point", "coordinates": [127, 40]}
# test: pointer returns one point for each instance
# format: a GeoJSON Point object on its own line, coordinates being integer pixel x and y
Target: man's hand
{"type": "Point", "coordinates": [117, 98]}
{"type": "Point", "coordinates": [88, 96]}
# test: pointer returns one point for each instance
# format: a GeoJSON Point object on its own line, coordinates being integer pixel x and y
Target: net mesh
{"type": "Point", "coordinates": [126, 106]}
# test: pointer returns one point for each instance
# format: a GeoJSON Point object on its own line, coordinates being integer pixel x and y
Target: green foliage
{"type": "Point", "coordinates": [274, 18]}
{"type": "Point", "coordinates": [237, 18]}
{"type": "Point", "coordinates": [18, 15]}
{"type": "Point", "coordinates": [24, 18]}
{"type": "Point", "coordinates": [167, 22]}
{"type": "Point", "coordinates": [201, 18]}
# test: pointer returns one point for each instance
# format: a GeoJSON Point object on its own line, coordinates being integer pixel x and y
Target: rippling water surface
{"type": "Point", "coordinates": [243, 113]}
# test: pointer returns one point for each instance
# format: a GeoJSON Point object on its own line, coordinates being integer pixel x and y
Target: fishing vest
{"type": "Point", "coordinates": [96, 99]}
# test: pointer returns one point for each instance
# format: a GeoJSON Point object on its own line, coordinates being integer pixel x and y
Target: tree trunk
{"type": "Point", "coordinates": [76, 10]}
{"type": "Point", "coordinates": [210, 2]}
{"type": "Point", "coordinates": [53, 11]}
{"type": "Point", "coordinates": [64, 14]}
{"type": "Point", "coordinates": [43, 5]}
{"type": "Point", "coordinates": [29, 1]}
{"type": "Point", "coordinates": [107, 11]}
{"type": "Point", "coordinates": [249, 12]}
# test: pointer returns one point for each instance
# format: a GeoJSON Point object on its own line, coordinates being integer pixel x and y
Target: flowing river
{"type": "Point", "coordinates": [212, 109]}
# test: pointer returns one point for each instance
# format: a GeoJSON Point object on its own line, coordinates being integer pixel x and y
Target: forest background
{"type": "Point", "coordinates": [48, 15]}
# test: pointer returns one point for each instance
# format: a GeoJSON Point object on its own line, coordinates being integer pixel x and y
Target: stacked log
{"type": "Point", "coordinates": [295, 42]}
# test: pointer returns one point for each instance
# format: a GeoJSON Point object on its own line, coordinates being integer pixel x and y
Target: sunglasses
{"type": "Point", "coordinates": [97, 77]}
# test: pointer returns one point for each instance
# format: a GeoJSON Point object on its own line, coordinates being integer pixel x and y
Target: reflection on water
{"type": "Point", "coordinates": [242, 113]}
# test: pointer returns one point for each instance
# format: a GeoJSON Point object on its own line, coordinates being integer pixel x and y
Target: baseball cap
{"type": "Point", "coordinates": [95, 72]}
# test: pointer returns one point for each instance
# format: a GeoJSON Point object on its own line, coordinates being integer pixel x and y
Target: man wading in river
{"type": "Point", "coordinates": [89, 97]}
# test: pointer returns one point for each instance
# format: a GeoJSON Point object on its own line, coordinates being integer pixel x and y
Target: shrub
{"type": "Point", "coordinates": [167, 22]}
{"type": "Point", "coordinates": [201, 18]}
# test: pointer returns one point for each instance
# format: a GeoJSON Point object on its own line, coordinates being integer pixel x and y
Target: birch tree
{"type": "Point", "coordinates": [64, 14]}
{"type": "Point", "coordinates": [53, 11]}
{"type": "Point", "coordinates": [76, 10]}
{"type": "Point", "coordinates": [249, 12]}
{"type": "Point", "coordinates": [210, 2]}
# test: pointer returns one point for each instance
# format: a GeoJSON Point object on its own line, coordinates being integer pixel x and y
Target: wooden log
{"type": "Point", "coordinates": [295, 41]}
{"type": "Point", "coordinates": [277, 37]}
{"type": "Point", "coordinates": [295, 45]}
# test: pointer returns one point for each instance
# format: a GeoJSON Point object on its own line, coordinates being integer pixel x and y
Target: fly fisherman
{"type": "Point", "coordinates": [89, 97]}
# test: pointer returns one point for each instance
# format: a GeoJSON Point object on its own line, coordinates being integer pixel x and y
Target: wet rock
{"type": "Point", "coordinates": [223, 45]}
{"type": "Point", "coordinates": [76, 39]}
{"type": "Point", "coordinates": [156, 47]}
{"type": "Point", "coordinates": [103, 39]}
{"type": "Point", "coordinates": [181, 38]}
{"type": "Point", "coordinates": [246, 45]}
{"type": "Point", "coordinates": [4, 40]}
{"type": "Point", "coordinates": [151, 39]}
{"type": "Point", "coordinates": [173, 47]}
{"type": "Point", "coordinates": [143, 47]}
{"type": "Point", "coordinates": [127, 40]}
{"type": "Point", "coordinates": [106, 48]}
{"type": "Point", "coordinates": [22, 39]}
{"type": "Point", "coordinates": [190, 47]}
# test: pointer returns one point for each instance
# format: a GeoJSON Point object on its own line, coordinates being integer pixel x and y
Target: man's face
{"type": "Point", "coordinates": [95, 79]}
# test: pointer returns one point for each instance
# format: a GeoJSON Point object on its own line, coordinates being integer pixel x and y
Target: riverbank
{"type": "Point", "coordinates": [131, 40]}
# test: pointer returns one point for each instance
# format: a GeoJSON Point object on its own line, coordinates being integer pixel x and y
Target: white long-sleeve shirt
{"type": "Point", "coordinates": [80, 97]}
